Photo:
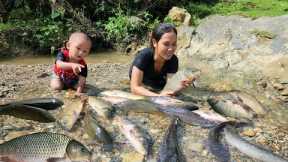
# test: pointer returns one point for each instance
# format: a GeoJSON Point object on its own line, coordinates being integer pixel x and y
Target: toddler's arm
{"type": "Point", "coordinates": [81, 84]}
{"type": "Point", "coordinates": [70, 65]}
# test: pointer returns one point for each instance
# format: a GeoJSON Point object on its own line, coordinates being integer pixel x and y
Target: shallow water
{"type": "Point", "coordinates": [273, 127]}
{"type": "Point", "coordinates": [93, 58]}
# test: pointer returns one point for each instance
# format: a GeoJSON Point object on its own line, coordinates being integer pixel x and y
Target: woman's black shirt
{"type": "Point", "coordinates": [145, 62]}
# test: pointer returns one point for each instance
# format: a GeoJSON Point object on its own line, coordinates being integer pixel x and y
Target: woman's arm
{"type": "Point", "coordinates": [136, 84]}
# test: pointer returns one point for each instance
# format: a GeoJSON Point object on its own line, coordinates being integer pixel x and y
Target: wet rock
{"type": "Point", "coordinates": [262, 140]}
{"type": "Point", "coordinates": [263, 84]}
{"type": "Point", "coordinates": [283, 98]}
{"type": "Point", "coordinates": [180, 15]}
{"type": "Point", "coordinates": [197, 147]}
{"type": "Point", "coordinates": [132, 156]}
{"type": "Point", "coordinates": [248, 132]}
{"type": "Point", "coordinates": [278, 86]}
{"type": "Point", "coordinates": [284, 92]}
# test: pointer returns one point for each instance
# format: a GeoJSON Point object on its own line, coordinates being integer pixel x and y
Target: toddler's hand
{"type": "Point", "coordinates": [77, 68]}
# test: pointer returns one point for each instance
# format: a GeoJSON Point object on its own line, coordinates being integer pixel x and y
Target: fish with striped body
{"type": "Point", "coordinates": [169, 150]}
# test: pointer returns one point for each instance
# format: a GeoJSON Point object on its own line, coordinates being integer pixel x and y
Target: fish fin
{"type": "Point", "coordinates": [56, 160]}
{"type": "Point", "coordinates": [7, 159]}
{"type": "Point", "coordinates": [107, 147]}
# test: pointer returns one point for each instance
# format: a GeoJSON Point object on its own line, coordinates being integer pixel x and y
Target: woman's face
{"type": "Point", "coordinates": [166, 46]}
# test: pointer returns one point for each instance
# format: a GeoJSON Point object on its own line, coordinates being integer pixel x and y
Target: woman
{"type": "Point", "coordinates": [153, 66]}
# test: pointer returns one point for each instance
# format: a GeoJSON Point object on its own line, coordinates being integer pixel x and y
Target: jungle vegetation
{"type": "Point", "coordinates": [42, 24]}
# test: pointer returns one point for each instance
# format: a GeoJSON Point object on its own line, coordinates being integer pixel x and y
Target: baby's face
{"type": "Point", "coordinates": [78, 49]}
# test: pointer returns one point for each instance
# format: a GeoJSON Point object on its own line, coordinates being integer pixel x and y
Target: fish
{"type": "Point", "coordinates": [169, 150]}
{"type": "Point", "coordinates": [164, 101]}
{"type": "Point", "coordinates": [27, 112]}
{"type": "Point", "coordinates": [156, 100]}
{"type": "Point", "coordinates": [70, 113]}
{"type": "Point", "coordinates": [231, 107]}
{"type": "Point", "coordinates": [211, 115]}
{"type": "Point", "coordinates": [214, 144]}
{"type": "Point", "coordinates": [174, 83]}
{"type": "Point", "coordinates": [43, 147]}
{"type": "Point", "coordinates": [251, 101]}
{"type": "Point", "coordinates": [254, 151]}
{"type": "Point", "coordinates": [199, 93]}
{"type": "Point", "coordinates": [96, 132]}
{"type": "Point", "coordinates": [102, 107]}
{"type": "Point", "coordinates": [126, 105]}
{"type": "Point", "coordinates": [43, 103]}
{"type": "Point", "coordinates": [123, 94]}
{"type": "Point", "coordinates": [237, 95]}
{"type": "Point", "coordinates": [140, 140]}
{"type": "Point", "coordinates": [187, 116]}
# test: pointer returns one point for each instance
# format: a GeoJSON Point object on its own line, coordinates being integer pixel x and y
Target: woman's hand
{"type": "Point", "coordinates": [167, 93]}
{"type": "Point", "coordinates": [186, 83]}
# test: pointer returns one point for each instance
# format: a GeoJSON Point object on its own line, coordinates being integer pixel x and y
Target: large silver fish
{"type": "Point", "coordinates": [254, 151]}
{"type": "Point", "coordinates": [119, 93]}
{"type": "Point", "coordinates": [210, 115]}
{"type": "Point", "coordinates": [251, 101]}
{"type": "Point", "coordinates": [157, 101]}
{"type": "Point", "coordinates": [231, 107]}
{"type": "Point", "coordinates": [164, 101]}
{"type": "Point", "coordinates": [189, 117]}
{"type": "Point", "coordinates": [215, 146]}
{"type": "Point", "coordinates": [140, 140]}
{"type": "Point", "coordinates": [44, 147]}
{"type": "Point", "coordinates": [214, 143]}
{"type": "Point", "coordinates": [101, 107]}
{"type": "Point", "coordinates": [240, 97]}
{"type": "Point", "coordinates": [70, 113]}
{"type": "Point", "coordinates": [47, 103]}
{"type": "Point", "coordinates": [27, 112]}
{"type": "Point", "coordinates": [169, 150]}
{"type": "Point", "coordinates": [126, 104]}
{"type": "Point", "coordinates": [96, 132]}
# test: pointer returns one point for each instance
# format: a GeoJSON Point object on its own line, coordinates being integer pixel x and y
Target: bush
{"type": "Point", "coordinates": [122, 29]}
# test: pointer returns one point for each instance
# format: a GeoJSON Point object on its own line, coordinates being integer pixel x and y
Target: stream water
{"type": "Point", "coordinates": [108, 69]}
{"type": "Point", "coordinates": [93, 58]}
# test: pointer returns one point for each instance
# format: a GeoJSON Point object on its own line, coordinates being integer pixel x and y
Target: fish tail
{"type": "Point", "coordinates": [149, 155]}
